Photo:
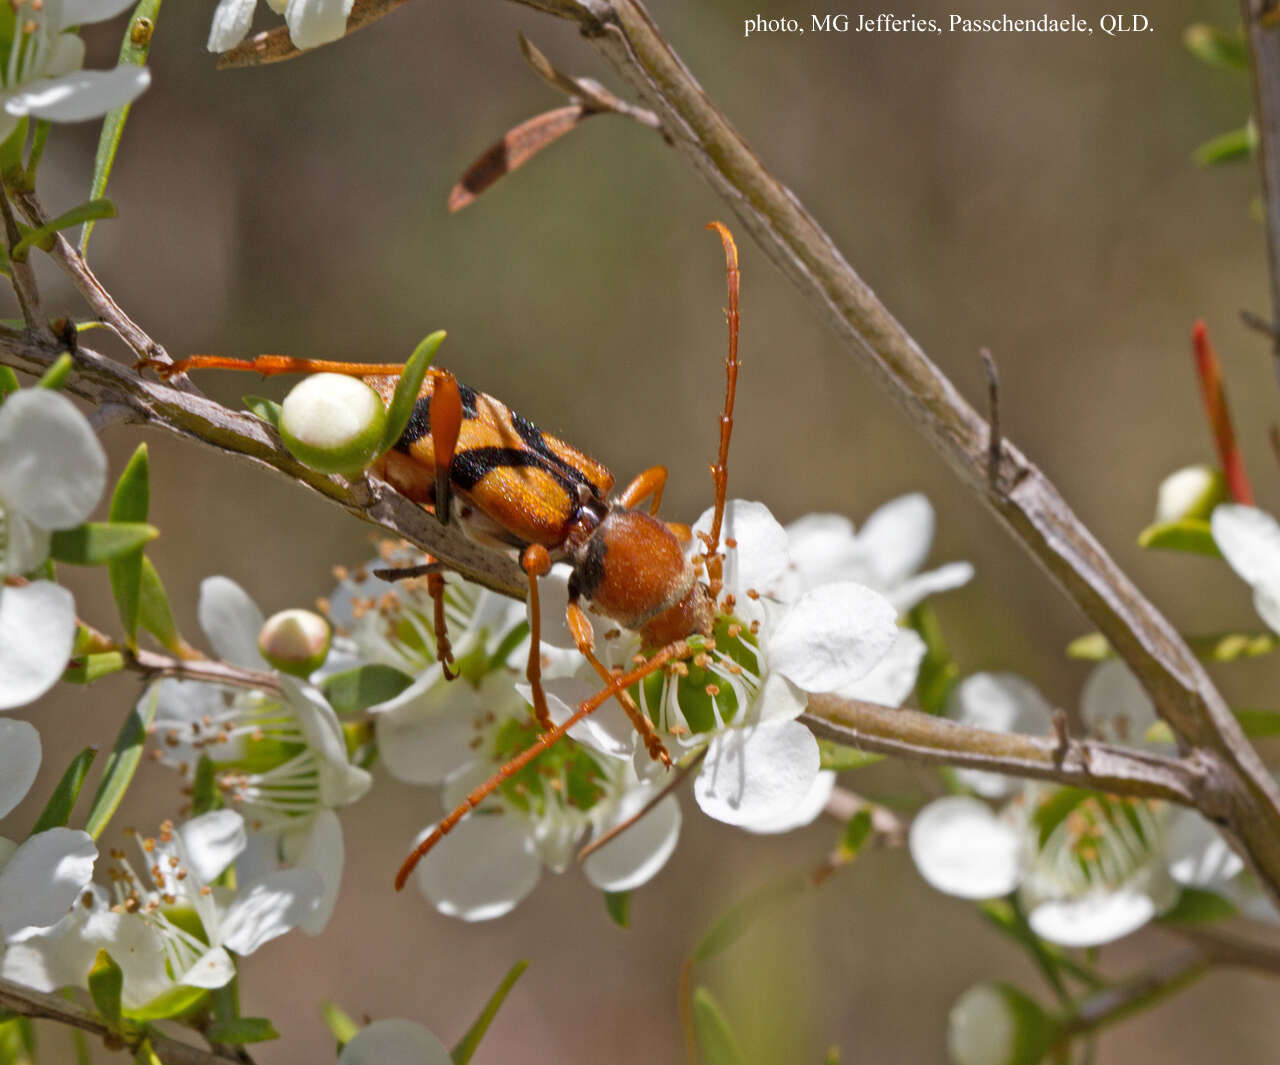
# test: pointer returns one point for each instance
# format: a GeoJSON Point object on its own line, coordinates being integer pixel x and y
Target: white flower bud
{"type": "Point", "coordinates": [333, 423]}
{"type": "Point", "coordinates": [295, 641]}
{"type": "Point", "coordinates": [996, 1024]}
{"type": "Point", "coordinates": [1190, 493]}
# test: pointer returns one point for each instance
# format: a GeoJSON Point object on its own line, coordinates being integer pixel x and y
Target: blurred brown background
{"type": "Point", "coordinates": [1031, 194]}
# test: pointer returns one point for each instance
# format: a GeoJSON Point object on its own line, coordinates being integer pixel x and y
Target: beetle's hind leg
{"type": "Point", "coordinates": [434, 572]}
{"type": "Point", "coordinates": [536, 562]}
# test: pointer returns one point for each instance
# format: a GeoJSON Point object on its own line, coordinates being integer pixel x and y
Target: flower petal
{"type": "Point", "coordinates": [822, 548]}
{"type": "Point", "coordinates": [53, 469]}
{"type": "Point", "coordinates": [758, 774]}
{"type": "Point", "coordinates": [214, 968]}
{"type": "Point", "coordinates": [324, 853]}
{"type": "Point", "coordinates": [424, 739]}
{"type": "Point", "coordinates": [760, 561]}
{"type": "Point", "coordinates": [394, 1042]}
{"type": "Point", "coordinates": [893, 678]}
{"type": "Point", "coordinates": [231, 22]}
{"type": "Point", "coordinates": [1115, 707]}
{"type": "Point", "coordinates": [232, 621]}
{"type": "Point", "coordinates": [895, 539]}
{"type": "Point", "coordinates": [911, 591]}
{"type": "Point", "coordinates": [26, 546]}
{"type": "Point", "coordinates": [43, 878]}
{"type": "Point", "coordinates": [1197, 854]}
{"type": "Point", "coordinates": [1249, 540]}
{"type": "Point", "coordinates": [832, 636]}
{"type": "Point", "coordinates": [803, 813]}
{"type": "Point", "coordinates": [270, 908]}
{"type": "Point", "coordinates": [19, 761]}
{"type": "Point", "coordinates": [1092, 920]}
{"type": "Point", "coordinates": [482, 869]}
{"type": "Point", "coordinates": [79, 96]}
{"type": "Point", "coordinates": [999, 702]}
{"type": "Point", "coordinates": [316, 22]}
{"type": "Point", "coordinates": [635, 856]}
{"type": "Point", "coordinates": [37, 632]}
{"type": "Point", "coordinates": [212, 842]}
{"type": "Point", "coordinates": [960, 847]}
{"type": "Point", "coordinates": [83, 12]}
{"type": "Point", "coordinates": [340, 781]}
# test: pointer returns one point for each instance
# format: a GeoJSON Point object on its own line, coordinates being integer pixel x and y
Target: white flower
{"type": "Point", "coordinates": [740, 699]}
{"type": "Point", "coordinates": [1249, 539]}
{"type": "Point", "coordinates": [42, 75]}
{"type": "Point", "coordinates": [41, 877]}
{"type": "Point", "coordinates": [52, 472]}
{"type": "Point", "coordinates": [394, 1042]}
{"type": "Point", "coordinates": [885, 555]}
{"type": "Point", "coordinates": [311, 22]}
{"type": "Point", "coordinates": [1088, 868]}
{"type": "Point", "coordinates": [996, 1024]}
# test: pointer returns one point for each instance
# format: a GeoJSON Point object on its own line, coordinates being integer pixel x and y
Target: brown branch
{"type": "Point", "coordinates": [1246, 799]}
{"type": "Point", "coordinates": [207, 671]}
{"type": "Point", "coordinates": [929, 740]}
{"type": "Point", "coordinates": [1139, 992]}
{"type": "Point", "coordinates": [39, 1005]}
{"type": "Point", "coordinates": [1264, 62]}
{"type": "Point", "coordinates": [154, 404]}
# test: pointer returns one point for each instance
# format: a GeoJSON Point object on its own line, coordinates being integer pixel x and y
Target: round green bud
{"type": "Point", "coordinates": [996, 1024]}
{"type": "Point", "coordinates": [333, 423]}
{"type": "Point", "coordinates": [1191, 493]}
{"type": "Point", "coordinates": [295, 641]}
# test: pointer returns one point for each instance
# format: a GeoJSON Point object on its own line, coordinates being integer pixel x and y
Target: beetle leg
{"type": "Point", "coordinates": [270, 365]}
{"type": "Point", "coordinates": [405, 573]}
{"type": "Point", "coordinates": [580, 626]}
{"type": "Point", "coordinates": [444, 653]}
{"type": "Point", "coordinates": [446, 423]}
{"type": "Point", "coordinates": [649, 483]}
{"type": "Point", "coordinates": [535, 561]}
{"type": "Point", "coordinates": [616, 684]}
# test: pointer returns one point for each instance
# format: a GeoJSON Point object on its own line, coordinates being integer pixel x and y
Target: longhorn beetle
{"type": "Point", "coordinates": [467, 455]}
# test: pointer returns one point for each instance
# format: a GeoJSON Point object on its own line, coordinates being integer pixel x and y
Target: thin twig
{"type": "Point", "coordinates": [993, 418]}
{"type": "Point", "coordinates": [592, 94]}
{"type": "Point", "coordinates": [1258, 324]}
{"type": "Point", "coordinates": [152, 665]}
{"type": "Point", "coordinates": [39, 1005]}
{"type": "Point", "coordinates": [24, 278]}
{"type": "Point", "coordinates": [1139, 992]}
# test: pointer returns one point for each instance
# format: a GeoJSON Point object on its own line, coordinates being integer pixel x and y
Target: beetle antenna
{"type": "Point", "coordinates": [720, 471]}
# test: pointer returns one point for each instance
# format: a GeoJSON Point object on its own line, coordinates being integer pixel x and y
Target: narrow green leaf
{"type": "Point", "coordinates": [357, 689]}
{"type": "Point", "coordinates": [1212, 647]}
{"type": "Point", "coordinates": [42, 236]}
{"type": "Point", "coordinates": [240, 1030]}
{"type": "Point", "coordinates": [740, 916]}
{"type": "Point", "coordinates": [461, 1053]}
{"type": "Point", "coordinates": [122, 762]}
{"type": "Point", "coordinates": [938, 672]}
{"type": "Point", "coordinates": [1215, 46]}
{"type": "Point", "coordinates": [1234, 146]}
{"type": "Point", "coordinates": [407, 388]}
{"type": "Point", "coordinates": [57, 811]}
{"type": "Point", "coordinates": [342, 1027]}
{"type": "Point", "coordinates": [618, 905]}
{"type": "Point", "coordinates": [154, 612]}
{"type": "Point", "coordinates": [11, 149]}
{"type": "Point", "coordinates": [87, 669]}
{"type": "Point", "coordinates": [8, 382]}
{"type": "Point", "coordinates": [205, 795]}
{"type": "Point", "coordinates": [1190, 535]}
{"type": "Point", "coordinates": [133, 52]}
{"type": "Point", "coordinates": [855, 835]}
{"type": "Point", "coordinates": [1007, 918]}
{"type": "Point", "coordinates": [180, 1001]}
{"type": "Point", "coordinates": [838, 756]}
{"type": "Point", "coordinates": [96, 542]}
{"type": "Point", "coordinates": [1196, 906]}
{"type": "Point", "coordinates": [12, 1050]}
{"type": "Point", "coordinates": [106, 982]}
{"type": "Point", "coordinates": [833, 1056]}
{"type": "Point", "coordinates": [146, 1055]}
{"type": "Point", "coordinates": [266, 409]}
{"type": "Point", "coordinates": [56, 375]}
{"type": "Point", "coordinates": [130, 502]}
{"type": "Point", "coordinates": [1091, 647]}
{"type": "Point", "coordinates": [80, 1044]}
{"type": "Point", "coordinates": [715, 1038]}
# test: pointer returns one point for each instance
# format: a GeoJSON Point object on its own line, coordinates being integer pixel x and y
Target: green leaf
{"type": "Point", "coordinates": [180, 1001]}
{"type": "Point", "coordinates": [938, 671]}
{"type": "Point", "coordinates": [122, 762]}
{"type": "Point", "coordinates": [57, 811]}
{"type": "Point", "coordinates": [154, 612]}
{"type": "Point", "coordinates": [1215, 46]}
{"type": "Point", "coordinates": [855, 835]}
{"type": "Point", "coordinates": [407, 388]}
{"type": "Point", "coordinates": [1234, 146]}
{"type": "Point", "coordinates": [11, 148]}
{"type": "Point", "coordinates": [357, 689]}
{"type": "Point", "coordinates": [838, 756]}
{"type": "Point", "coordinates": [133, 52]}
{"type": "Point", "coordinates": [1091, 647]}
{"type": "Point", "coordinates": [237, 1031]}
{"type": "Point", "coordinates": [266, 409]}
{"type": "Point", "coordinates": [12, 1048]}
{"type": "Point", "coordinates": [342, 1027]}
{"type": "Point", "coordinates": [93, 667]}
{"type": "Point", "coordinates": [146, 1055]}
{"type": "Point", "coordinates": [618, 905]}
{"type": "Point", "coordinates": [42, 236]}
{"type": "Point", "coordinates": [106, 982]}
{"type": "Point", "coordinates": [1196, 906]}
{"type": "Point", "coordinates": [56, 375]}
{"type": "Point", "coordinates": [1212, 647]}
{"type": "Point", "coordinates": [130, 502]}
{"type": "Point", "coordinates": [8, 382]}
{"type": "Point", "coordinates": [715, 1038]}
{"type": "Point", "coordinates": [1190, 535]}
{"type": "Point", "coordinates": [96, 542]}
{"type": "Point", "coordinates": [1259, 724]}
{"type": "Point", "coordinates": [205, 795]}
{"type": "Point", "coordinates": [461, 1053]}
{"type": "Point", "coordinates": [740, 916]}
